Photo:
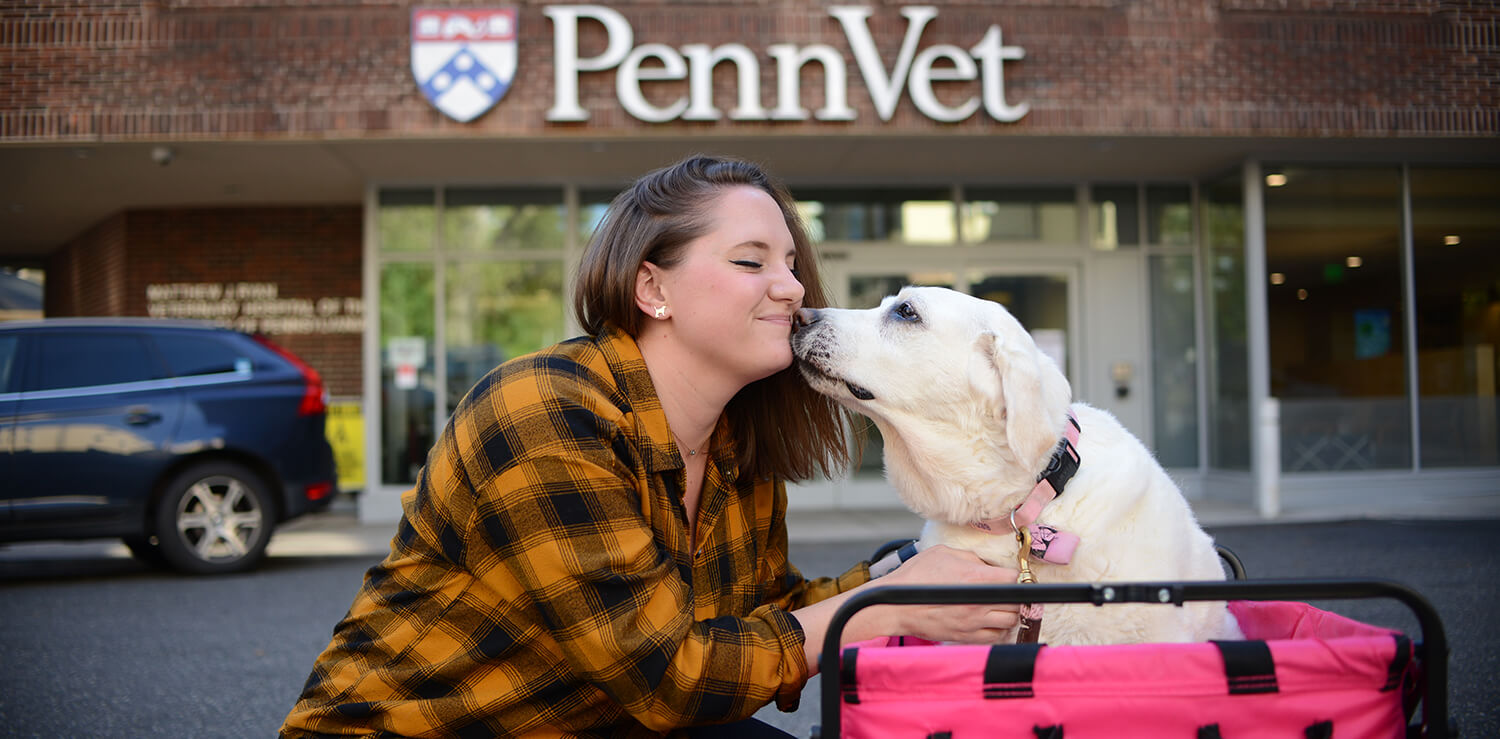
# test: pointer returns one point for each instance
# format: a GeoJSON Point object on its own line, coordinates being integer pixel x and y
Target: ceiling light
{"type": "Point", "coordinates": [1277, 278]}
{"type": "Point", "coordinates": [1352, 262]}
{"type": "Point", "coordinates": [1450, 240]}
{"type": "Point", "coordinates": [1275, 180]}
{"type": "Point", "coordinates": [1301, 294]}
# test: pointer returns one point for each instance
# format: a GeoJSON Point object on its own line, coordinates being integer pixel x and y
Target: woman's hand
{"type": "Point", "coordinates": [937, 565]}
{"type": "Point", "coordinates": [973, 624]}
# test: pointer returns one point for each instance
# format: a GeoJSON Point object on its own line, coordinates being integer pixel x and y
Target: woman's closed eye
{"type": "Point", "coordinates": [756, 264]}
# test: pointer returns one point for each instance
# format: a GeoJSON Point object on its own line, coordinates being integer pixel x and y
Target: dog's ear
{"type": "Point", "coordinates": [1030, 393]}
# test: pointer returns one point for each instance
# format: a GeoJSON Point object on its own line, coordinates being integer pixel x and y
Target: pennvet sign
{"type": "Point", "coordinates": [912, 73]}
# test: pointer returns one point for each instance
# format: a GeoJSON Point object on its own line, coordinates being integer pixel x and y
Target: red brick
{"type": "Point", "coordinates": [265, 70]}
{"type": "Point", "coordinates": [307, 253]}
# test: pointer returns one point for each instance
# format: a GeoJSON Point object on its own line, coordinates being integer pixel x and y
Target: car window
{"type": "Point", "coordinates": [188, 355]}
{"type": "Point", "coordinates": [84, 359]}
{"type": "Point", "coordinates": [8, 354]}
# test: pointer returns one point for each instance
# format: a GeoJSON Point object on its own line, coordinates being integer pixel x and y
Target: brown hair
{"type": "Point", "coordinates": [782, 427]}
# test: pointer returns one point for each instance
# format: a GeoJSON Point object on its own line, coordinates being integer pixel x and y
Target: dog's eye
{"type": "Point", "coordinates": [905, 312]}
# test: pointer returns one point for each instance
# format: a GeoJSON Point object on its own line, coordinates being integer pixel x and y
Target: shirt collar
{"type": "Point", "coordinates": [634, 381]}
{"type": "Point", "coordinates": [629, 369]}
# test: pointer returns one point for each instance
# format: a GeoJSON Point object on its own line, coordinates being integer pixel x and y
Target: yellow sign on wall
{"type": "Point", "coordinates": [346, 433]}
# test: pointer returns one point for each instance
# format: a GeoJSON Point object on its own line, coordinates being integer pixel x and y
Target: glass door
{"type": "Point", "coordinates": [468, 278]}
{"type": "Point", "coordinates": [1041, 301]}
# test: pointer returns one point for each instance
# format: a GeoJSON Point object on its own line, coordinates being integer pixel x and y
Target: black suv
{"type": "Point", "coordinates": [188, 440]}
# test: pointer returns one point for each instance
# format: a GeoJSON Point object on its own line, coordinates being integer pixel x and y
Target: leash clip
{"type": "Point", "coordinates": [1029, 630]}
{"type": "Point", "coordinates": [1023, 537]}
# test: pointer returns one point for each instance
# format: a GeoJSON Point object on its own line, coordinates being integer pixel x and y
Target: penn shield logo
{"type": "Point", "coordinates": [464, 60]}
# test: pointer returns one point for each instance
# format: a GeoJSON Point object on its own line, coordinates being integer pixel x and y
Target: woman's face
{"type": "Point", "coordinates": [733, 294]}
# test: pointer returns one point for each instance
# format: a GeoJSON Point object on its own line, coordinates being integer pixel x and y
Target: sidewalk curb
{"type": "Point", "coordinates": [338, 532]}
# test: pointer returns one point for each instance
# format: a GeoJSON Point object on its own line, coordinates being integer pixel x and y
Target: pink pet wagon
{"type": "Point", "coordinates": [1300, 672]}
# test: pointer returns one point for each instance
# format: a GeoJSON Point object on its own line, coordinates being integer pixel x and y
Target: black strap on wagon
{"type": "Point", "coordinates": [1248, 667]}
{"type": "Point", "coordinates": [1431, 651]}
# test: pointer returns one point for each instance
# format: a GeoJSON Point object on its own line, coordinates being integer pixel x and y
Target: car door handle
{"type": "Point", "coordinates": [136, 417]}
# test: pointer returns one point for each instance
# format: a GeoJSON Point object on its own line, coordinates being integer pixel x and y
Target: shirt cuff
{"type": "Point", "coordinates": [856, 576]}
{"type": "Point", "coordinates": [793, 655]}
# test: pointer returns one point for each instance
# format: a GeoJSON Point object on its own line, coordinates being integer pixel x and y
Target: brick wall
{"type": "Point", "coordinates": [87, 276]}
{"type": "Point", "coordinates": [240, 69]}
{"type": "Point", "coordinates": [306, 253]}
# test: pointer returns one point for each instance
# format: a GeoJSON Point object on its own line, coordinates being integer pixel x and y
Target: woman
{"type": "Point", "coordinates": [597, 546]}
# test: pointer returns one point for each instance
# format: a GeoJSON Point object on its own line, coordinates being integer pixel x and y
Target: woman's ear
{"type": "Point", "coordinates": [649, 292]}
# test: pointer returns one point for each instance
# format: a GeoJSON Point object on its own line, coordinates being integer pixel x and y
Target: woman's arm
{"type": "Point", "coordinates": [938, 565]}
{"type": "Point", "coordinates": [780, 582]}
{"type": "Point", "coordinates": [813, 602]}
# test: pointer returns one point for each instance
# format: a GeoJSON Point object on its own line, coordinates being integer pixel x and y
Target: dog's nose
{"type": "Point", "coordinates": [805, 317]}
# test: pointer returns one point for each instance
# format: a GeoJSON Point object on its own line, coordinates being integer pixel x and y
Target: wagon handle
{"type": "Point", "coordinates": [1432, 649]}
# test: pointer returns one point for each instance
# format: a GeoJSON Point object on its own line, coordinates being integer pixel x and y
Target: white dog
{"type": "Point", "coordinates": [973, 416]}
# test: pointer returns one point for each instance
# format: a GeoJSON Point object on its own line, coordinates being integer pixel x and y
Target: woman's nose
{"type": "Point", "coordinates": [788, 287]}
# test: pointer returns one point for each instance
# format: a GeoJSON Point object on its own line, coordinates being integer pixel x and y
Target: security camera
{"type": "Point", "coordinates": [162, 155]}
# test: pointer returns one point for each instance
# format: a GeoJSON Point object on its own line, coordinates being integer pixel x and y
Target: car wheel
{"type": "Point", "coordinates": [145, 551]}
{"type": "Point", "coordinates": [215, 518]}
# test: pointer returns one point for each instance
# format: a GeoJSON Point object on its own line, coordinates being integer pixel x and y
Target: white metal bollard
{"type": "Point", "coordinates": [1268, 466]}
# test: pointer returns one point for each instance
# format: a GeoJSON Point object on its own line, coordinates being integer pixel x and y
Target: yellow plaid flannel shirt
{"type": "Point", "coordinates": [541, 582]}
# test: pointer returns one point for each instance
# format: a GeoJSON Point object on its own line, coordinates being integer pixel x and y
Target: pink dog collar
{"type": "Point", "coordinates": [1047, 543]}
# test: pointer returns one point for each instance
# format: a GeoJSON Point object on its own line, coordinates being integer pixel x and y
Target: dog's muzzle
{"type": "Point", "coordinates": [812, 354]}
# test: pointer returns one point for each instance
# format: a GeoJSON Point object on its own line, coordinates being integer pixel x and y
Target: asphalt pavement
{"type": "Point", "coordinates": [95, 645]}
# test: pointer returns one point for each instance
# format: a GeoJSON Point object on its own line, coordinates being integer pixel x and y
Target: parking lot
{"type": "Point", "coordinates": [96, 645]}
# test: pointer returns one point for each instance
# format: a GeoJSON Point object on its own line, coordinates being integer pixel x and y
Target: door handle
{"type": "Point", "coordinates": [141, 417]}
{"type": "Point", "coordinates": [1122, 373]}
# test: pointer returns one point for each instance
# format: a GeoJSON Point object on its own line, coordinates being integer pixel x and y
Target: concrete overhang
{"type": "Point", "coordinates": [55, 191]}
